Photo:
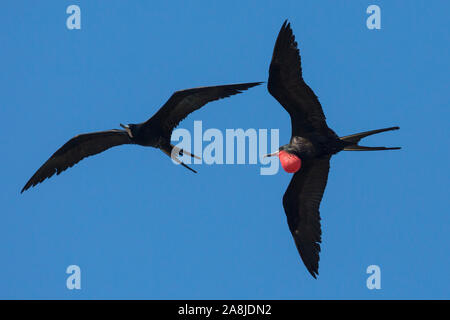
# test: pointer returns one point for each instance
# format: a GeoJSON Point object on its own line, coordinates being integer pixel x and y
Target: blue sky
{"type": "Point", "coordinates": [140, 227]}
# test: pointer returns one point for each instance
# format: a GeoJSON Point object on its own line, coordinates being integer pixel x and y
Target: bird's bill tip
{"type": "Point", "coordinates": [272, 154]}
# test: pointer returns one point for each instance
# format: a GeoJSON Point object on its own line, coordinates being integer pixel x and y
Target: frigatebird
{"type": "Point", "coordinates": [311, 146]}
{"type": "Point", "coordinates": [155, 132]}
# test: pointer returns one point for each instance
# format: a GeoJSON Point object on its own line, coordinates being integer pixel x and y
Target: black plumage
{"type": "Point", "coordinates": [312, 142]}
{"type": "Point", "coordinates": [155, 132]}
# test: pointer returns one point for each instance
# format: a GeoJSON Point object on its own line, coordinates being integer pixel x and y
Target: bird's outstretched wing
{"type": "Point", "coordinates": [74, 150]}
{"type": "Point", "coordinates": [301, 203]}
{"type": "Point", "coordinates": [286, 84]}
{"type": "Point", "coordinates": [184, 102]}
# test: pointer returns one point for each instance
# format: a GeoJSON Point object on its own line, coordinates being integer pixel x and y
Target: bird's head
{"type": "Point", "coordinates": [290, 162]}
{"type": "Point", "coordinates": [129, 128]}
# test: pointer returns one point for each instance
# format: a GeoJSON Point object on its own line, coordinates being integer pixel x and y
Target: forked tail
{"type": "Point", "coordinates": [354, 139]}
{"type": "Point", "coordinates": [173, 152]}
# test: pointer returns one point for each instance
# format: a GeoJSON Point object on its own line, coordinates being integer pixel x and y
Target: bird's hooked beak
{"type": "Point", "coordinates": [127, 129]}
{"type": "Point", "coordinates": [290, 162]}
{"type": "Point", "coordinates": [272, 154]}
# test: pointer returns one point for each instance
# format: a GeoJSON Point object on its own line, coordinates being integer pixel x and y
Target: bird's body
{"type": "Point", "coordinates": [314, 146]}
{"type": "Point", "coordinates": [148, 136]}
{"type": "Point", "coordinates": [310, 149]}
{"type": "Point", "coordinates": [155, 132]}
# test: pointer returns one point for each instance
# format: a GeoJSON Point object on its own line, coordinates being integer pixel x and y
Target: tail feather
{"type": "Point", "coordinates": [353, 140]}
{"type": "Point", "coordinates": [173, 152]}
{"type": "Point", "coordinates": [361, 148]}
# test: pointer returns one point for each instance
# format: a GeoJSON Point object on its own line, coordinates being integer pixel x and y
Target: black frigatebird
{"type": "Point", "coordinates": [155, 132]}
{"type": "Point", "coordinates": [311, 146]}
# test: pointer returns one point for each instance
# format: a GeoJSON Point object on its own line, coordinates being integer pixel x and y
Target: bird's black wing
{"type": "Point", "coordinates": [286, 84]}
{"type": "Point", "coordinates": [301, 203]}
{"type": "Point", "coordinates": [74, 150]}
{"type": "Point", "coordinates": [184, 102]}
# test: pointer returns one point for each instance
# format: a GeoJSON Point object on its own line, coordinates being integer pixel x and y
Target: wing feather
{"type": "Point", "coordinates": [184, 102]}
{"type": "Point", "coordinates": [287, 86]}
{"type": "Point", "coordinates": [76, 149]}
{"type": "Point", "coordinates": [301, 203]}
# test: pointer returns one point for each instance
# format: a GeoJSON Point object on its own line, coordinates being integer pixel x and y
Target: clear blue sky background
{"type": "Point", "coordinates": [141, 227]}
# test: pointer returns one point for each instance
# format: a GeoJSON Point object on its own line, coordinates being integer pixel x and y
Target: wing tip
{"type": "Point", "coordinates": [312, 267]}
{"type": "Point", "coordinates": [314, 273]}
{"type": "Point", "coordinates": [28, 185]}
{"type": "Point", "coordinates": [241, 87]}
{"type": "Point", "coordinates": [249, 85]}
{"type": "Point", "coordinates": [286, 28]}
{"type": "Point", "coordinates": [310, 256]}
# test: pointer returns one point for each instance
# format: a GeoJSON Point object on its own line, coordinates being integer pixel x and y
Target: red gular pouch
{"type": "Point", "coordinates": [290, 162]}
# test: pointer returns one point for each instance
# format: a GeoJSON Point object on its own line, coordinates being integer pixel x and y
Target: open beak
{"type": "Point", "coordinates": [271, 154]}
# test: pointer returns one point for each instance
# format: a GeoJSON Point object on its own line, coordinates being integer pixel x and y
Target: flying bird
{"type": "Point", "coordinates": [310, 148]}
{"type": "Point", "coordinates": [155, 132]}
